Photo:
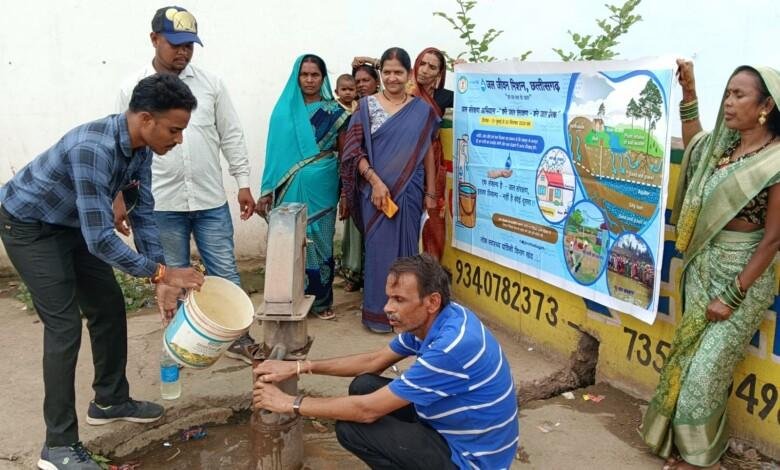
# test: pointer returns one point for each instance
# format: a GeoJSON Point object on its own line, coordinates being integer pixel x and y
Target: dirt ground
{"type": "Point", "coordinates": [555, 432]}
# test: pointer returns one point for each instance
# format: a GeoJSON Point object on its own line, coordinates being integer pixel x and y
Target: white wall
{"type": "Point", "coordinates": [61, 62]}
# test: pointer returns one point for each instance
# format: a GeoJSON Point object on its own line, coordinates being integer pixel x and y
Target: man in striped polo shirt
{"type": "Point", "coordinates": [455, 407]}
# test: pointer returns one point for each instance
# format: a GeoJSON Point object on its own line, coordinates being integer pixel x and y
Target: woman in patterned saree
{"type": "Point", "coordinates": [301, 165]}
{"type": "Point", "coordinates": [728, 230]}
{"type": "Point", "coordinates": [388, 157]}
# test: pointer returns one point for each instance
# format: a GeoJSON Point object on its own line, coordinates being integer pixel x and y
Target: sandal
{"type": "Point", "coordinates": [326, 314]}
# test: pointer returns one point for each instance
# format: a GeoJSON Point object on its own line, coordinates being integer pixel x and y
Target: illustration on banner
{"type": "Point", "coordinates": [561, 175]}
{"type": "Point", "coordinates": [555, 185]}
{"type": "Point", "coordinates": [618, 158]}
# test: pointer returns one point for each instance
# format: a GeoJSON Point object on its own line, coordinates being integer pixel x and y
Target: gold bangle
{"type": "Point", "coordinates": [738, 284]}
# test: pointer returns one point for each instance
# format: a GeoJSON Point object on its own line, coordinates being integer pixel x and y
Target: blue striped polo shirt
{"type": "Point", "coordinates": [462, 387]}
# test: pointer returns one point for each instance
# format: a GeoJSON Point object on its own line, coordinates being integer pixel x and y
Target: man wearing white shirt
{"type": "Point", "coordinates": [187, 186]}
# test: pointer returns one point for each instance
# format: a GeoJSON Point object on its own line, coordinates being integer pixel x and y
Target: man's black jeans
{"type": "Point", "coordinates": [66, 281]}
{"type": "Point", "coordinates": [396, 441]}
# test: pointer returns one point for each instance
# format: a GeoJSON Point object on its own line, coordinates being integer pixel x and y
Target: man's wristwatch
{"type": "Point", "coordinates": [297, 405]}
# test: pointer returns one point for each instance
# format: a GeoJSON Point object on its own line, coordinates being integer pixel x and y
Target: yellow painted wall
{"type": "Point", "coordinates": [631, 352]}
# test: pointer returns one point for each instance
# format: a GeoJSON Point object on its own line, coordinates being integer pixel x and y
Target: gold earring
{"type": "Point", "coordinates": [762, 117]}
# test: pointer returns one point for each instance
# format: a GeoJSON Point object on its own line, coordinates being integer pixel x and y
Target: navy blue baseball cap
{"type": "Point", "coordinates": [176, 24]}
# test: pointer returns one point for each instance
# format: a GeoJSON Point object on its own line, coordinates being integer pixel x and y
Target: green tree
{"type": "Point", "coordinates": [601, 46]}
{"type": "Point", "coordinates": [477, 47]}
{"type": "Point", "coordinates": [576, 219]}
{"type": "Point", "coordinates": [650, 103]}
{"type": "Point", "coordinates": [632, 111]}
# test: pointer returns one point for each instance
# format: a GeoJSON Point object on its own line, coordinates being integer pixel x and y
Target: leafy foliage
{"type": "Point", "coordinates": [23, 296]}
{"type": "Point", "coordinates": [477, 47]}
{"type": "Point", "coordinates": [601, 46]}
{"type": "Point", "coordinates": [137, 291]}
{"type": "Point", "coordinates": [576, 219]}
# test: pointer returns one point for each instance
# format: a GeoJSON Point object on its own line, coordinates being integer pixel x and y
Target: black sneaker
{"type": "Point", "coordinates": [132, 410]}
{"type": "Point", "coordinates": [74, 457]}
{"type": "Point", "coordinates": [243, 349]}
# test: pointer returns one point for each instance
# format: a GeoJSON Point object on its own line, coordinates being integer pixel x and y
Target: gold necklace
{"type": "Point", "coordinates": [728, 156]}
{"type": "Point", "coordinates": [406, 96]}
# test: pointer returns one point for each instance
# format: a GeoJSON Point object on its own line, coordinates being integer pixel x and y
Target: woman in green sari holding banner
{"type": "Point", "coordinates": [727, 213]}
{"type": "Point", "coordinates": [301, 165]}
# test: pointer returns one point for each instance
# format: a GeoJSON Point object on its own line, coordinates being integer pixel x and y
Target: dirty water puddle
{"type": "Point", "coordinates": [229, 446]}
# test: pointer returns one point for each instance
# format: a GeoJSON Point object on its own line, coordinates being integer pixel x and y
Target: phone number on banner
{"type": "Point", "coordinates": [504, 290]}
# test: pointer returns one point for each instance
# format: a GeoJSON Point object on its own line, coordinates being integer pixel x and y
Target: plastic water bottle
{"type": "Point", "coordinates": [170, 385]}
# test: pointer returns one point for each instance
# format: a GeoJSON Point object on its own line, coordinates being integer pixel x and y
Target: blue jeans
{"type": "Point", "coordinates": [213, 231]}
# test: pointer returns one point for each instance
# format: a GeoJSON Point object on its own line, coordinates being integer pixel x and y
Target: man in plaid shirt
{"type": "Point", "coordinates": [57, 226]}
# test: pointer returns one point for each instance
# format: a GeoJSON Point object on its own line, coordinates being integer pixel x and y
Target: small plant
{"type": "Point", "coordinates": [612, 27]}
{"type": "Point", "coordinates": [23, 296]}
{"type": "Point", "coordinates": [137, 291]}
{"type": "Point", "coordinates": [477, 48]}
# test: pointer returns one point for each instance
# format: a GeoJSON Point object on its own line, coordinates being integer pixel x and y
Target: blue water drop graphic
{"type": "Point", "coordinates": [508, 163]}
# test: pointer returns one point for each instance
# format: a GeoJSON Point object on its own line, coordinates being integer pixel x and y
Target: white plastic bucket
{"type": "Point", "coordinates": [207, 322]}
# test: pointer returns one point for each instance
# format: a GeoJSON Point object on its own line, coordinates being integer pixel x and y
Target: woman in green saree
{"type": "Point", "coordinates": [301, 165]}
{"type": "Point", "coordinates": [728, 229]}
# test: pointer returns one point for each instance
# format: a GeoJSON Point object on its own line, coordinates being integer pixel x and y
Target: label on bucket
{"type": "Point", "coordinates": [190, 345]}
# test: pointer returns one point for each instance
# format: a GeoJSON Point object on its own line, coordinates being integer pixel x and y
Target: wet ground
{"type": "Point", "coordinates": [230, 447]}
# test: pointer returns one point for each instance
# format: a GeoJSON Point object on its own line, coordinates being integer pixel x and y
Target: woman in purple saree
{"type": "Point", "coordinates": [388, 154]}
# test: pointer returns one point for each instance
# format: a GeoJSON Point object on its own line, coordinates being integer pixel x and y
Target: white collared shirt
{"type": "Point", "coordinates": [189, 177]}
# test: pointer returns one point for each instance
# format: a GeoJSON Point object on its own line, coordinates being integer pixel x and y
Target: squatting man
{"type": "Point", "coordinates": [455, 407]}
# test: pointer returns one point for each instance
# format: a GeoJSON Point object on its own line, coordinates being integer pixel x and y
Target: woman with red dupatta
{"type": "Point", "coordinates": [428, 80]}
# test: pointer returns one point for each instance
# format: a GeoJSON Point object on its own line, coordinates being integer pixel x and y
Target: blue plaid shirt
{"type": "Point", "coordinates": [74, 184]}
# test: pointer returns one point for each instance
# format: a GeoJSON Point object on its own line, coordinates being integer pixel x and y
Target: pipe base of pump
{"type": "Point", "coordinates": [277, 438]}
{"type": "Point", "coordinates": [277, 445]}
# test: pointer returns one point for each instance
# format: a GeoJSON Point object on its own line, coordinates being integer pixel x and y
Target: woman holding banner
{"type": "Point", "coordinates": [728, 228]}
{"type": "Point", "coordinates": [430, 71]}
{"type": "Point", "coordinates": [387, 161]}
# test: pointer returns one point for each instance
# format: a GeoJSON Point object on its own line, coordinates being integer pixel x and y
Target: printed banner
{"type": "Point", "coordinates": [561, 173]}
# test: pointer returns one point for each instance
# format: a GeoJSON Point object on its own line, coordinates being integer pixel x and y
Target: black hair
{"type": "Point", "coordinates": [431, 276]}
{"type": "Point", "coordinates": [345, 76]}
{"type": "Point", "coordinates": [162, 92]}
{"type": "Point", "coordinates": [368, 69]}
{"type": "Point", "coordinates": [398, 54]}
{"type": "Point", "coordinates": [316, 60]}
{"type": "Point", "coordinates": [773, 118]}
